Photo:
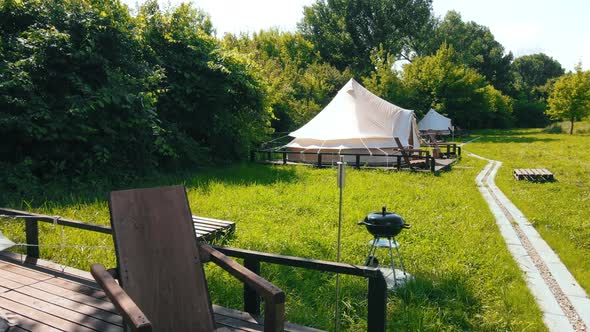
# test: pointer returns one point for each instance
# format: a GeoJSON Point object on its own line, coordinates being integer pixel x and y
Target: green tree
{"type": "Point", "coordinates": [212, 102]}
{"type": "Point", "coordinates": [474, 46]}
{"type": "Point", "coordinates": [442, 83]}
{"type": "Point", "coordinates": [346, 32]}
{"type": "Point", "coordinates": [384, 80]}
{"type": "Point", "coordinates": [298, 82]}
{"type": "Point", "coordinates": [570, 98]}
{"type": "Point", "coordinates": [531, 74]}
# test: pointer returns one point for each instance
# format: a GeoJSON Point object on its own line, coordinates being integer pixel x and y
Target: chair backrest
{"type": "Point", "coordinates": [158, 259]}
{"type": "Point", "coordinates": [402, 150]}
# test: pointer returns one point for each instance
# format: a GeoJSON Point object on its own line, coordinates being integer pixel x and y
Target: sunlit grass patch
{"type": "Point", "coordinates": [558, 210]}
{"type": "Point", "coordinates": [465, 279]}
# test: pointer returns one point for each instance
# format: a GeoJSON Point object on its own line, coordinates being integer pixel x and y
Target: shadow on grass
{"type": "Point", "coordinates": [242, 175]}
{"type": "Point", "coordinates": [512, 139]}
{"type": "Point", "coordinates": [62, 194]}
{"type": "Point", "coordinates": [445, 301]}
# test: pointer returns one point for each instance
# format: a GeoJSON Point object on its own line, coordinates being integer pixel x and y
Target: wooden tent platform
{"type": "Point", "coordinates": [41, 296]}
{"type": "Point", "coordinates": [533, 174]}
{"type": "Point", "coordinates": [209, 229]}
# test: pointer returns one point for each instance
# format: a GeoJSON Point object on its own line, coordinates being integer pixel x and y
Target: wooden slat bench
{"type": "Point", "coordinates": [209, 229]}
{"type": "Point", "coordinates": [533, 174]}
{"type": "Point", "coordinates": [42, 297]}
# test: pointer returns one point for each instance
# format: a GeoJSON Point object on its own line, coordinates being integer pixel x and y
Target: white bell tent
{"type": "Point", "coordinates": [355, 122]}
{"type": "Point", "coordinates": [435, 122]}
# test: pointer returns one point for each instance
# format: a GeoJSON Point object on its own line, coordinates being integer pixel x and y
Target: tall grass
{"type": "Point", "coordinates": [558, 210]}
{"type": "Point", "coordinates": [465, 279]}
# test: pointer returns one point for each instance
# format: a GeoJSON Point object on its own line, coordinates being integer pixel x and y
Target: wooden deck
{"type": "Point", "coordinates": [209, 229]}
{"type": "Point", "coordinates": [41, 296]}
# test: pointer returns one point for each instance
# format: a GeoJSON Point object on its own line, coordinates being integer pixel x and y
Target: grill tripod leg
{"type": "Point", "coordinates": [392, 262]}
{"type": "Point", "coordinates": [401, 262]}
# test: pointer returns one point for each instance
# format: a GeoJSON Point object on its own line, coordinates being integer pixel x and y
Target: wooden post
{"type": "Point", "coordinates": [32, 230]}
{"type": "Point", "coordinates": [284, 158]}
{"type": "Point", "coordinates": [358, 161]}
{"type": "Point", "coordinates": [377, 305]}
{"type": "Point", "coordinates": [448, 151]}
{"type": "Point", "coordinates": [399, 162]}
{"type": "Point", "coordinates": [432, 164]}
{"type": "Point", "coordinates": [251, 298]}
{"type": "Point", "coordinates": [319, 160]}
{"type": "Point", "coordinates": [459, 151]}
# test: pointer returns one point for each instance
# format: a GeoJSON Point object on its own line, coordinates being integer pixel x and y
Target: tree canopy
{"type": "Point", "coordinates": [442, 82]}
{"type": "Point", "coordinates": [570, 99]}
{"type": "Point", "coordinates": [346, 32]}
{"type": "Point", "coordinates": [476, 47]}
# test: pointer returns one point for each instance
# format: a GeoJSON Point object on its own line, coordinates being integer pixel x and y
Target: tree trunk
{"type": "Point", "coordinates": [572, 126]}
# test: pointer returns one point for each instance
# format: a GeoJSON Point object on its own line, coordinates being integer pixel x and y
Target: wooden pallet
{"type": "Point", "coordinates": [533, 174]}
{"type": "Point", "coordinates": [209, 229]}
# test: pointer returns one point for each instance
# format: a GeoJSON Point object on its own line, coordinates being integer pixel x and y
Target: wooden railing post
{"type": "Point", "coordinates": [358, 161]}
{"type": "Point", "coordinates": [251, 298]}
{"type": "Point", "coordinates": [448, 151]}
{"type": "Point", "coordinates": [284, 158]}
{"type": "Point", "coordinates": [398, 162]}
{"type": "Point", "coordinates": [459, 151]}
{"type": "Point", "coordinates": [319, 160]}
{"type": "Point", "coordinates": [432, 164]}
{"type": "Point", "coordinates": [32, 231]}
{"type": "Point", "coordinates": [377, 302]}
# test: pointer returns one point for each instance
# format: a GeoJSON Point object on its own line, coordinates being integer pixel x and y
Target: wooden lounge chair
{"type": "Point", "coordinates": [412, 163]}
{"type": "Point", "coordinates": [436, 153]}
{"type": "Point", "coordinates": [162, 284]}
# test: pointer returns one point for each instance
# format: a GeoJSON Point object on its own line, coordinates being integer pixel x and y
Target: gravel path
{"type": "Point", "coordinates": [559, 311]}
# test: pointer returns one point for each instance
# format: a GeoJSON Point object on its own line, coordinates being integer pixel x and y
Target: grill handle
{"type": "Point", "coordinates": [407, 226]}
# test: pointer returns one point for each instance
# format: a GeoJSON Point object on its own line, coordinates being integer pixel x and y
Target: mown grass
{"type": "Point", "coordinates": [465, 279]}
{"type": "Point", "coordinates": [559, 210]}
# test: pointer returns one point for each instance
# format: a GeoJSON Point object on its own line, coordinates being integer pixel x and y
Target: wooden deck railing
{"type": "Point", "coordinates": [452, 150]}
{"type": "Point", "coordinates": [377, 286]}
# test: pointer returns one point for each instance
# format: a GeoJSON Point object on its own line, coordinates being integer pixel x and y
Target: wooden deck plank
{"type": "Point", "coordinates": [77, 287]}
{"type": "Point", "coordinates": [78, 307]}
{"type": "Point", "coordinates": [9, 284]}
{"type": "Point", "coordinates": [75, 296]}
{"type": "Point", "coordinates": [86, 323]}
{"type": "Point", "coordinates": [40, 316]}
{"type": "Point", "coordinates": [17, 278]}
{"type": "Point", "coordinates": [21, 323]}
{"type": "Point", "coordinates": [36, 306]}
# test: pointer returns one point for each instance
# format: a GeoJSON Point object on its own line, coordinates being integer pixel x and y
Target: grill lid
{"type": "Point", "coordinates": [385, 218]}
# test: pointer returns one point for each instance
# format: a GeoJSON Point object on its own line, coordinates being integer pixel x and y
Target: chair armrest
{"type": "Point", "coordinates": [124, 304]}
{"type": "Point", "coordinates": [274, 297]}
{"type": "Point", "coordinates": [261, 285]}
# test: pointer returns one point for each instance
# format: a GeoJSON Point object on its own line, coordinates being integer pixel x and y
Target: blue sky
{"type": "Point", "coordinates": [561, 29]}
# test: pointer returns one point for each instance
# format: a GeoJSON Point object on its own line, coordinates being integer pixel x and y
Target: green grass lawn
{"type": "Point", "coordinates": [559, 210]}
{"type": "Point", "coordinates": [465, 279]}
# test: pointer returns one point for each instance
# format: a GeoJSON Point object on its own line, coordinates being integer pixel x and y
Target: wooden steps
{"type": "Point", "coordinates": [533, 174]}
{"type": "Point", "coordinates": [43, 297]}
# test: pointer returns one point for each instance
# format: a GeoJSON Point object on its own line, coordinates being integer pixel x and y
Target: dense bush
{"type": "Point", "coordinates": [86, 90]}
{"type": "Point", "coordinates": [75, 94]}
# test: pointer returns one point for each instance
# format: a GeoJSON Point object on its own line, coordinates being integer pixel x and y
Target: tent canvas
{"type": "Point", "coordinates": [356, 121]}
{"type": "Point", "coordinates": [434, 121]}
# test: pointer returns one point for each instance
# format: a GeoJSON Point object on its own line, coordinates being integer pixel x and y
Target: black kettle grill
{"type": "Point", "coordinates": [384, 224]}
